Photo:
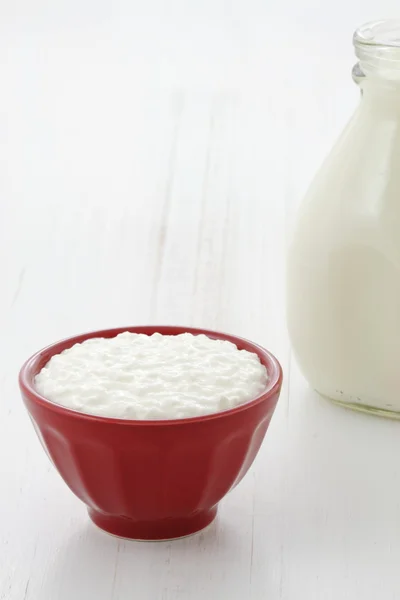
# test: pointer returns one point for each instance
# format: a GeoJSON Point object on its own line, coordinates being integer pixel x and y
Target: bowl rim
{"type": "Point", "coordinates": [36, 362]}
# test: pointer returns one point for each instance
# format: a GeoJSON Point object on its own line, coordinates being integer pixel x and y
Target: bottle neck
{"type": "Point", "coordinates": [380, 102]}
{"type": "Point", "coordinates": [377, 46]}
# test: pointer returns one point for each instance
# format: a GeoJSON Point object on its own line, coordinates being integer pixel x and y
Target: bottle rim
{"type": "Point", "coordinates": [378, 34]}
{"type": "Point", "coordinates": [377, 46]}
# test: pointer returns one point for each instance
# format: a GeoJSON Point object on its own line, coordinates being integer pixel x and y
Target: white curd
{"type": "Point", "coordinates": [136, 376]}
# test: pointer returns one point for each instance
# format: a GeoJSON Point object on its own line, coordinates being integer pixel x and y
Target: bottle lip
{"type": "Point", "coordinates": [377, 46]}
{"type": "Point", "coordinates": [378, 34]}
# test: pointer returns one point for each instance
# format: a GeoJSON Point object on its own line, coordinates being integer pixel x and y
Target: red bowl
{"type": "Point", "coordinates": [151, 480]}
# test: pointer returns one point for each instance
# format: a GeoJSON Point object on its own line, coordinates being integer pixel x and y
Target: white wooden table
{"type": "Point", "coordinates": [151, 157]}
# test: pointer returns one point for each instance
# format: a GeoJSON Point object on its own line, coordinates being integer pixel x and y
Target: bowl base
{"type": "Point", "coordinates": [164, 529]}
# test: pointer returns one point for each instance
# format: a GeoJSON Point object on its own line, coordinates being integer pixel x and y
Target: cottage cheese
{"type": "Point", "coordinates": [136, 376]}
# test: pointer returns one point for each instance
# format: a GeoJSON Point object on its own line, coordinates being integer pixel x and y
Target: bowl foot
{"type": "Point", "coordinates": [164, 529]}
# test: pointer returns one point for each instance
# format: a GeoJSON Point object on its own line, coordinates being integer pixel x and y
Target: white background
{"type": "Point", "coordinates": [151, 157]}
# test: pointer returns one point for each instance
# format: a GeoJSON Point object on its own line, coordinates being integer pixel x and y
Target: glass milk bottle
{"type": "Point", "coordinates": [343, 281]}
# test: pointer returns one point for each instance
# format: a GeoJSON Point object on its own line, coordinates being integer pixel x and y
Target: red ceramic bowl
{"type": "Point", "coordinates": [151, 480]}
